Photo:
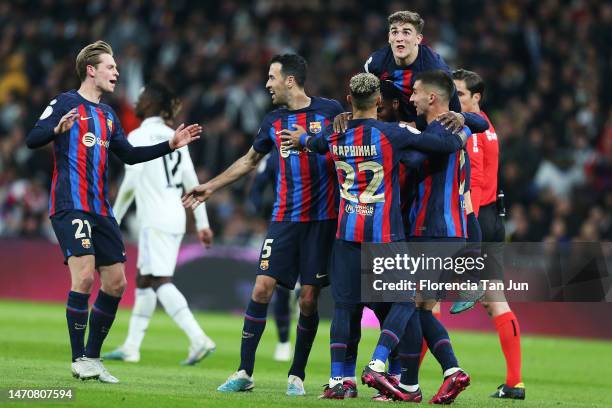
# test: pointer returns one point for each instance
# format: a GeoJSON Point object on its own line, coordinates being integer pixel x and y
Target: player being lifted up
{"type": "Point", "coordinates": [484, 158]}
{"type": "Point", "coordinates": [83, 131]}
{"type": "Point", "coordinates": [301, 233]}
{"type": "Point", "coordinates": [157, 188]}
{"type": "Point", "coordinates": [401, 60]}
{"type": "Point", "coordinates": [367, 160]}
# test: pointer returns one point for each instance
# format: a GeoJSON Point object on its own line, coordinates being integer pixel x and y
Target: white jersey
{"type": "Point", "coordinates": [157, 184]}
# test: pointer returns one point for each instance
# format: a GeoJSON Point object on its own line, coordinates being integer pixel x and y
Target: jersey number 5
{"type": "Point", "coordinates": [369, 195]}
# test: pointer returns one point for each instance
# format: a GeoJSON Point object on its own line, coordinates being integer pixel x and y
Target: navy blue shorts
{"type": "Point", "coordinates": [450, 247]}
{"type": "Point", "coordinates": [298, 249]}
{"type": "Point", "coordinates": [80, 233]}
{"type": "Point", "coordinates": [346, 271]}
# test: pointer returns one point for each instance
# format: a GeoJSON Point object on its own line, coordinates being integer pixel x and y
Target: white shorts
{"type": "Point", "coordinates": [157, 252]}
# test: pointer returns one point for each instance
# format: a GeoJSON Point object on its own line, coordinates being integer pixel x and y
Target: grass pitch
{"type": "Point", "coordinates": [34, 353]}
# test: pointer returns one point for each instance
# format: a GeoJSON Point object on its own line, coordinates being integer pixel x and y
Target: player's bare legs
{"type": "Point", "coordinates": [82, 269]}
{"type": "Point", "coordinates": [112, 278]}
{"type": "Point", "coordinates": [509, 332]}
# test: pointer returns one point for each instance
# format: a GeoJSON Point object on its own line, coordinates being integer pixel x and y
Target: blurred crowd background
{"type": "Point", "coordinates": [546, 64]}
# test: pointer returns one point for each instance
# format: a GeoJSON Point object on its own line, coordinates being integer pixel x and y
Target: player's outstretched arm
{"type": "Point", "coordinates": [440, 140]}
{"type": "Point", "coordinates": [41, 135]}
{"type": "Point", "coordinates": [239, 168]}
{"type": "Point", "coordinates": [132, 155]}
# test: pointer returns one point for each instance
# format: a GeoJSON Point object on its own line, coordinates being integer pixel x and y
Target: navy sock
{"type": "Point", "coordinates": [410, 350]}
{"type": "Point", "coordinates": [282, 314]}
{"type": "Point", "coordinates": [254, 325]}
{"type": "Point", "coordinates": [395, 364]}
{"type": "Point", "coordinates": [339, 335]}
{"type": "Point", "coordinates": [350, 361]}
{"type": "Point", "coordinates": [76, 316]}
{"type": "Point", "coordinates": [392, 329]}
{"type": "Point", "coordinates": [437, 338]}
{"type": "Point", "coordinates": [306, 333]}
{"type": "Point", "coordinates": [101, 319]}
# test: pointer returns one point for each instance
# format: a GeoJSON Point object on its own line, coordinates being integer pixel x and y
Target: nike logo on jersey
{"type": "Point", "coordinates": [87, 118]}
{"type": "Point", "coordinates": [318, 276]}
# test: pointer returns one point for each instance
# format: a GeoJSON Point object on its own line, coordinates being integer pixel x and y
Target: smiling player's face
{"type": "Point", "coordinates": [420, 98]}
{"type": "Point", "coordinates": [276, 84]}
{"type": "Point", "coordinates": [403, 39]}
{"type": "Point", "coordinates": [105, 74]}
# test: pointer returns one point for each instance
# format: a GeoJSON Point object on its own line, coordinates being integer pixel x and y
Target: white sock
{"type": "Point", "coordinates": [353, 379]}
{"type": "Point", "coordinates": [377, 365]}
{"type": "Point", "coordinates": [409, 388]}
{"type": "Point", "coordinates": [176, 306]}
{"type": "Point", "coordinates": [451, 371]}
{"type": "Point", "coordinates": [145, 301]}
{"type": "Point", "coordinates": [334, 381]}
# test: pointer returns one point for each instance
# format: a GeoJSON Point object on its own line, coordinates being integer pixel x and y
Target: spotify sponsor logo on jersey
{"type": "Point", "coordinates": [89, 140]}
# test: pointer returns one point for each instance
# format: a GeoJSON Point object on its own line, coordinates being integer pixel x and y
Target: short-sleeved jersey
{"type": "Point", "coordinates": [382, 64]}
{"type": "Point", "coordinates": [367, 158]}
{"type": "Point", "coordinates": [438, 208]}
{"type": "Point", "coordinates": [484, 158]}
{"type": "Point", "coordinates": [305, 185]}
{"type": "Point", "coordinates": [80, 155]}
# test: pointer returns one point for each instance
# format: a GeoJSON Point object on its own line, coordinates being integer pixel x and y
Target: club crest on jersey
{"type": "Point", "coordinates": [315, 127]}
{"type": "Point", "coordinates": [109, 123]}
{"type": "Point", "coordinates": [89, 139]}
{"type": "Point", "coordinates": [86, 243]}
{"type": "Point", "coordinates": [264, 264]}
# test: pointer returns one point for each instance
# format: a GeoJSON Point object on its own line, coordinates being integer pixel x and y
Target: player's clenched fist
{"type": "Point", "coordinates": [66, 122]}
{"type": "Point", "coordinates": [197, 195]}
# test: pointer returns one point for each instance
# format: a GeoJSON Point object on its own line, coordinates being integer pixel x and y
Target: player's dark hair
{"type": "Point", "coordinates": [473, 81]}
{"type": "Point", "coordinates": [439, 79]}
{"type": "Point", "coordinates": [160, 100]}
{"type": "Point", "coordinates": [292, 65]}
{"type": "Point", "coordinates": [407, 17]}
{"type": "Point", "coordinates": [389, 91]}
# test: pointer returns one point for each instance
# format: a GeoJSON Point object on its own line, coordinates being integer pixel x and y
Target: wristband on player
{"type": "Point", "coordinates": [304, 139]}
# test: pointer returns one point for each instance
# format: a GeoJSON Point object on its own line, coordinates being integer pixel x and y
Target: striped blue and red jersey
{"type": "Point", "coordinates": [438, 208]}
{"type": "Point", "coordinates": [305, 182]}
{"type": "Point", "coordinates": [382, 64]}
{"type": "Point", "coordinates": [80, 155]}
{"type": "Point", "coordinates": [367, 158]}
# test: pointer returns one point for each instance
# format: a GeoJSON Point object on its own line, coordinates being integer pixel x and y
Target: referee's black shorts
{"type": "Point", "coordinates": [493, 236]}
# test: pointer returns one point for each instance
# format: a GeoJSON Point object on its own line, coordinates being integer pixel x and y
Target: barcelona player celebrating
{"type": "Point", "coordinates": [83, 131]}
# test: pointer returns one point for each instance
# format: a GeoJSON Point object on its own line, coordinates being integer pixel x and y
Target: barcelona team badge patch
{"type": "Point", "coordinates": [315, 127]}
{"type": "Point", "coordinates": [110, 124]}
{"type": "Point", "coordinates": [86, 243]}
{"type": "Point", "coordinates": [264, 264]}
